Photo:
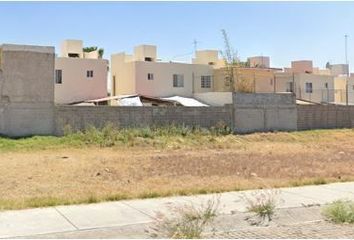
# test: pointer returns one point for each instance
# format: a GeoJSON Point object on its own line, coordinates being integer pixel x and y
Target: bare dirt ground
{"type": "Point", "coordinates": [90, 174]}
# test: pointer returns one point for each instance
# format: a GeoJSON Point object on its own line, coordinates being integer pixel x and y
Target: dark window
{"type": "Point", "coordinates": [150, 76]}
{"type": "Point", "coordinates": [326, 85]}
{"type": "Point", "coordinates": [148, 59]}
{"type": "Point", "coordinates": [58, 76]}
{"type": "Point", "coordinates": [178, 80]}
{"type": "Point", "coordinates": [89, 74]}
{"type": "Point", "coordinates": [73, 55]}
{"type": "Point", "coordinates": [205, 81]}
{"type": "Point", "coordinates": [308, 87]}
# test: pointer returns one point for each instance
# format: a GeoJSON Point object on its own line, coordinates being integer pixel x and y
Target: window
{"type": "Point", "coordinates": [150, 76]}
{"type": "Point", "coordinates": [326, 85]}
{"type": "Point", "coordinates": [290, 87]}
{"type": "Point", "coordinates": [148, 59]}
{"type": "Point", "coordinates": [89, 73]}
{"type": "Point", "coordinates": [58, 76]}
{"type": "Point", "coordinates": [308, 87]}
{"type": "Point", "coordinates": [206, 82]}
{"type": "Point", "coordinates": [211, 63]}
{"type": "Point", "coordinates": [178, 80]}
{"type": "Point", "coordinates": [73, 55]}
{"type": "Point", "coordinates": [271, 81]}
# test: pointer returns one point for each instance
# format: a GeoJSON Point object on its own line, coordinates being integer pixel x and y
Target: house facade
{"type": "Point", "coordinates": [79, 75]}
{"type": "Point", "coordinates": [141, 73]}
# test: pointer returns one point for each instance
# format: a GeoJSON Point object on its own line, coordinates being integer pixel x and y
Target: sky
{"type": "Point", "coordinates": [285, 31]}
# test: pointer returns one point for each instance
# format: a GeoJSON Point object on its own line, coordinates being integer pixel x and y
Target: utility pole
{"type": "Point", "coordinates": [347, 64]}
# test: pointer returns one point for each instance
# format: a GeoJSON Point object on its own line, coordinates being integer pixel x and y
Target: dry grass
{"type": "Point", "coordinates": [182, 165]}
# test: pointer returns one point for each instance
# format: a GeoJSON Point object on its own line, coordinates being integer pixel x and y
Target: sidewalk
{"type": "Point", "coordinates": [128, 218]}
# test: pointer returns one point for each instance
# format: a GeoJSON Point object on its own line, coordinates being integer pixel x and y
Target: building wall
{"type": "Point", "coordinates": [162, 84]}
{"type": "Point", "coordinates": [122, 75]}
{"type": "Point", "coordinates": [145, 51]}
{"type": "Point", "coordinates": [339, 69]}
{"type": "Point", "coordinates": [80, 117]}
{"type": "Point", "coordinates": [262, 112]}
{"type": "Point", "coordinates": [319, 91]}
{"type": "Point", "coordinates": [302, 66]}
{"type": "Point", "coordinates": [131, 77]}
{"type": "Point", "coordinates": [76, 86]}
{"type": "Point", "coordinates": [259, 61]}
{"type": "Point", "coordinates": [26, 90]}
{"type": "Point", "coordinates": [208, 57]}
{"type": "Point", "coordinates": [71, 46]}
{"type": "Point", "coordinates": [246, 79]}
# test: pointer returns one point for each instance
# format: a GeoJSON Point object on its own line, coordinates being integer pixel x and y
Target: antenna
{"type": "Point", "coordinates": [195, 45]}
{"type": "Point", "coordinates": [346, 48]}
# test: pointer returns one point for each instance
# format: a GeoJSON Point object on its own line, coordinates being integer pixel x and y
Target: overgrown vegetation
{"type": "Point", "coordinates": [263, 203]}
{"type": "Point", "coordinates": [340, 211]}
{"type": "Point", "coordinates": [187, 222]}
{"type": "Point", "coordinates": [110, 136]}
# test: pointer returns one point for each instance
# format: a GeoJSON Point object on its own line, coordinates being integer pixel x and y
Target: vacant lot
{"type": "Point", "coordinates": [43, 171]}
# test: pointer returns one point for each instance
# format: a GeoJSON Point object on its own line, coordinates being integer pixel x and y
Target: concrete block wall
{"type": "Point", "coordinates": [263, 112]}
{"type": "Point", "coordinates": [26, 90]}
{"type": "Point", "coordinates": [324, 116]}
{"type": "Point", "coordinates": [80, 117]}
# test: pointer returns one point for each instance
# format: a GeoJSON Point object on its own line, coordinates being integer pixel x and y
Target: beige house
{"type": "Point", "coordinates": [79, 75]}
{"type": "Point", "coordinates": [311, 87]}
{"type": "Point", "coordinates": [141, 73]}
{"type": "Point", "coordinates": [259, 80]}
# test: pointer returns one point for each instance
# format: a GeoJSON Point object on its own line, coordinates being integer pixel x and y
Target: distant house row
{"type": "Point", "coordinates": [82, 76]}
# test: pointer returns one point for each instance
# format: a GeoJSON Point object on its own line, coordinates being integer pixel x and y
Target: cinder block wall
{"type": "Point", "coordinates": [80, 117]}
{"type": "Point", "coordinates": [26, 90]}
{"type": "Point", "coordinates": [324, 116]}
{"type": "Point", "coordinates": [262, 112]}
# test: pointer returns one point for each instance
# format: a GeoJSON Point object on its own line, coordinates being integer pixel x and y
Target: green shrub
{"type": "Point", "coordinates": [339, 211]}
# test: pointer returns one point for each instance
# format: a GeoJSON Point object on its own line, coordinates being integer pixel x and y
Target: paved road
{"type": "Point", "coordinates": [130, 219]}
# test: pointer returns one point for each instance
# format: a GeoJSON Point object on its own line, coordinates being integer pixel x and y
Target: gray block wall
{"type": "Point", "coordinates": [325, 116]}
{"type": "Point", "coordinates": [26, 90]}
{"type": "Point", "coordinates": [262, 112]}
{"type": "Point", "coordinates": [80, 117]}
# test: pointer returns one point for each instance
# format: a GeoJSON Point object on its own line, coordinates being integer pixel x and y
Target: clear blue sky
{"type": "Point", "coordinates": [283, 31]}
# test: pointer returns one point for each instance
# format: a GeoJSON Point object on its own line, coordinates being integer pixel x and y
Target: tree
{"type": "Point", "coordinates": [230, 60]}
{"type": "Point", "coordinates": [100, 52]}
{"type": "Point", "coordinates": [232, 63]}
{"type": "Point", "coordinates": [89, 49]}
{"type": "Point", "coordinates": [94, 48]}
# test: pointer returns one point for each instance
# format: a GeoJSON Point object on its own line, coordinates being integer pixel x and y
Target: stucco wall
{"type": "Point", "coordinates": [162, 85]}
{"type": "Point", "coordinates": [80, 117]}
{"type": "Point", "coordinates": [76, 86]}
{"type": "Point", "coordinates": [26, 90]}
{"type": "Point", "coordinates": [264, 112]}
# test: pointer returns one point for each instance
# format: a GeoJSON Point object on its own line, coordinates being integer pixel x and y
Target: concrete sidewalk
{"type": "Point", "coordinates": [127, 214]}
